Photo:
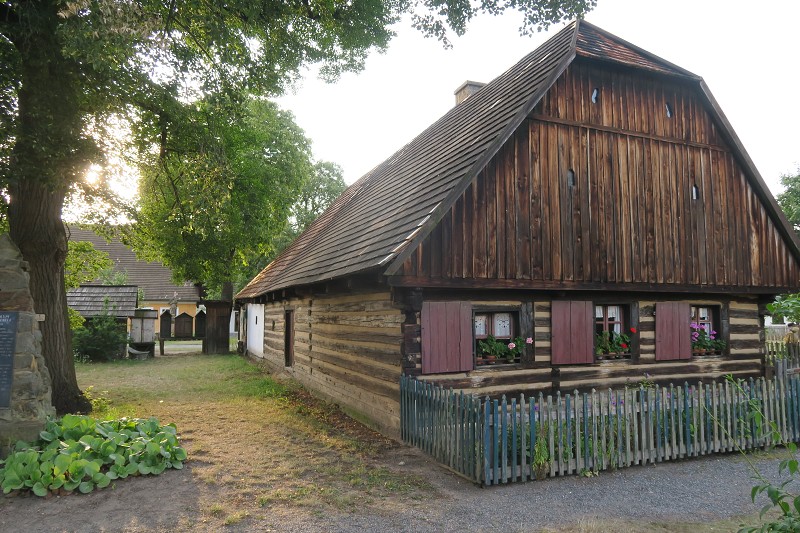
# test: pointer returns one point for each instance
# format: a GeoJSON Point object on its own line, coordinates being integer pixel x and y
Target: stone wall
{"type": "Point", "coordinates": [30, 391]}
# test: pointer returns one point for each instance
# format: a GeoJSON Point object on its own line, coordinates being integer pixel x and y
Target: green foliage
{"type": "Point", "coordinates": [503, 349]}
{"type": "Point", "coordinates": [787, 305]}
{"type": "Point", "coordinates": [100, 340]}
{"type": "Point", "coordinates": [111, 276]}
{"type": "Point", "coordinates": [81, 453]}
{"type": "Point", "coordinates": [780, 497]}
{"type": "Point", "coordinates": [318, 192]}
{"type": "Point", "coordinates": [608, 342]}
{"type": "Point", "coordinates": [602, 343]}
{"type": "Point", "coordinates": [223, 191]}
{"type": "Point", "coordinates": [492, 346]}
{"type": "Point", "coordinates": [789, 199]}
{"type": "Point", "coordinates": [324, 185]}
{"type": "Point", "coordinates": [76, 321]}
{"type": "Point", "coordinates": [541, 454]}
{"type": "Point", "coordinates": [84, 263]}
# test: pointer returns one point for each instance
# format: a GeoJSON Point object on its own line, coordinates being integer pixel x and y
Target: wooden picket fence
{"type": "Point", "coordinates": [780, 354]}
{"type": "Point", "coordinates": [504, 441]}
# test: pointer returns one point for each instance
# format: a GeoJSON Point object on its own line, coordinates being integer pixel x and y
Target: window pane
{"type": "Point", "coordinates": [703, 314]}
{"type": "Point", "coordinates": [502, 325]}
{"type": "Point", "coordinates": [481, 322]}
{"type": "Point", "coordinates": [598, 311]}
{"type": "Point", "coordinates": [614, 313]}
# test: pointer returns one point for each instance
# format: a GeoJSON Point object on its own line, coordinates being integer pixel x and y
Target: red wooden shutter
{"type": "Point", "coordinates": [673, 339]}
{"type": "Point", "coordinates": [572, 332]}
{"type": "Point", "coordinates": [560, 333]}
{"type": "Point", "coordinates": [446, 337]}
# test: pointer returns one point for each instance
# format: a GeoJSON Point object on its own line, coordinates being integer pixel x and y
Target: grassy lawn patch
{"type": "Point", "coordinates": [256, 446]}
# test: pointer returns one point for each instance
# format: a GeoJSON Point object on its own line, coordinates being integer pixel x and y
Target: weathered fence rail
{"type": "Point", "coordinates": [492, 441]}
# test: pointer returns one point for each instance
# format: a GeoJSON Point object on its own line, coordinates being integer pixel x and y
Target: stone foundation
{"type": "Point", "coordinates": [30, 384]}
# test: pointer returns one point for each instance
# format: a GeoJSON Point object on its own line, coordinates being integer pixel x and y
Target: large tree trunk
{"type": "Point", "coordinates": [36, 227]}
{"type": "Point", "coordinates": [49, 154]}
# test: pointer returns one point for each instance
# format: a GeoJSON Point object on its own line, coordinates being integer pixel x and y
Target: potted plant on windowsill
{"type": "Point", "coordinates": [704, 340]}
{"type": "Point", "coordinates": [602, 345]}
{"type": "Point", "coordinates": [514, 349]}
{"type": "Point", "coordinates": [718, 346]}
{"type": "Point", "coordinates": [492, 349]}
{"type": "Point", "coordinates": [621, 344]}
{"type": "Point", "coordinates": [610, 344]}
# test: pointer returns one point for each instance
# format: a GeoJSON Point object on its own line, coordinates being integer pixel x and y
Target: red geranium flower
{"type": "Point", "coordinates": [633, 330]}
{"type": "Point", "coordinates": [624, 345]}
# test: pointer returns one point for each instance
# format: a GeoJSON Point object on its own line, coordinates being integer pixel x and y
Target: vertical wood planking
{"type": "Point", "coordinates": [630, 216]}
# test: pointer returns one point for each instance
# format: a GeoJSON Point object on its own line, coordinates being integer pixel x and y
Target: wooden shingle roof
{"type": "Point", "coordinates": [382, 212]}
{"type": "Point", "coordinates": [378, 222]}
{"type": "Point", "coordinates": [92, 300]}
{"type": "Point", "coordinates": [152, 277]}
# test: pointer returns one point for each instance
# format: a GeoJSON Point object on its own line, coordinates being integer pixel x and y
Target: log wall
{"type": "Point", "coordinates": [592, 195]}
{"type": "Point", "coordinates": [346, 348]}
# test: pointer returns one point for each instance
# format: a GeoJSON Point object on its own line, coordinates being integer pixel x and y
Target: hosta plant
{"type": "Point", "coordinates": [79, 452]}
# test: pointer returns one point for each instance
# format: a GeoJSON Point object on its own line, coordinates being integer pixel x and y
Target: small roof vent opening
{"type": "Point", "coordinates": [695, 192]}
{"type": "Point", "coordinates": [467, 89]}
{"type": "Point", "coordinates": [570, 178]}
{"type": "Point", "coordinates": [669, 110]}
{"type": "Point", "coordinates": [595, 95]}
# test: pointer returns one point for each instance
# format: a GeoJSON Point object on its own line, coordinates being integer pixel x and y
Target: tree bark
{"type": "Point", "coordinates": [50, 153]}
{"type": "Point", "coordinates": [226, 294]}
{"type": "Point", "coordinates": [36, 228]}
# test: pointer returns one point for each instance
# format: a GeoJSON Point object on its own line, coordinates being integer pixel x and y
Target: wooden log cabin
{"type": "Point", "coordinates": [591, 206]}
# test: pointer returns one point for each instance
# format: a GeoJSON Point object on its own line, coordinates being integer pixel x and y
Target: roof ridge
{"type": "Point", "coordinates": [666, 65]}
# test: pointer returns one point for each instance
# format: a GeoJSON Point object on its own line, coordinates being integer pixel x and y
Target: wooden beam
{"type": "Point", "coordinates": [517, 284]}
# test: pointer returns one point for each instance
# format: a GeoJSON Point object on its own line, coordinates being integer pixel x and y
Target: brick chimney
{"type": "Point", "coordinates": [467, 89]}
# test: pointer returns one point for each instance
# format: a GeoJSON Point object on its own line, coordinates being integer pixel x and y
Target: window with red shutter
{"type": "Point", "coordinates": [446, 337]}
{"type": "Point", "coordinates": [614, 334]}
{"type": "Point", "coordinates": [572, 332]}
{"type": "Point", "coordinates": [497, 337]}
{"type": "Point", "coordinates": [705, 330]}
{"type": "Point", "coordinates": [672, 331]}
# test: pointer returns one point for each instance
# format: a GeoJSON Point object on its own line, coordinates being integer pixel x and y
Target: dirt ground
{"type": "Point", "coordinates": [266, 456]}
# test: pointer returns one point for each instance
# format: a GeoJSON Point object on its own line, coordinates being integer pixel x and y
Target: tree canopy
{"type": "Point", "coordinates": [221, 190]}
{"type": "Point", "coordinates": [84, 263]}
{"type": "Point", "coordinates": [317, 192]}
{"type": "Point", "coordinates": [68, 67]}
{"type": "Point", "coordinates": [789, 199]}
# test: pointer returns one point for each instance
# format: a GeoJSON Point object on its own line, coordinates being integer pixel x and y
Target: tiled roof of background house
{"type": "Point", "coordinates": [152, 277]}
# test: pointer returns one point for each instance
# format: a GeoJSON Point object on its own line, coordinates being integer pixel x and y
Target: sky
{"type": "Point", "coordinates": [747, 52]}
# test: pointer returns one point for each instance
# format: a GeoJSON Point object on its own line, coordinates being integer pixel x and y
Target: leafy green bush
{"type": "Point", "coordinates": [79, 452]}
{"type": "Point", "coordinates": [76, 321]}
{"type": "Point", "coordinates": [100, 340]}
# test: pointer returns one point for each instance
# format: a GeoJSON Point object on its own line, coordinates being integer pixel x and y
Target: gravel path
{"type": "Point", "coordinates": [698, 490]}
